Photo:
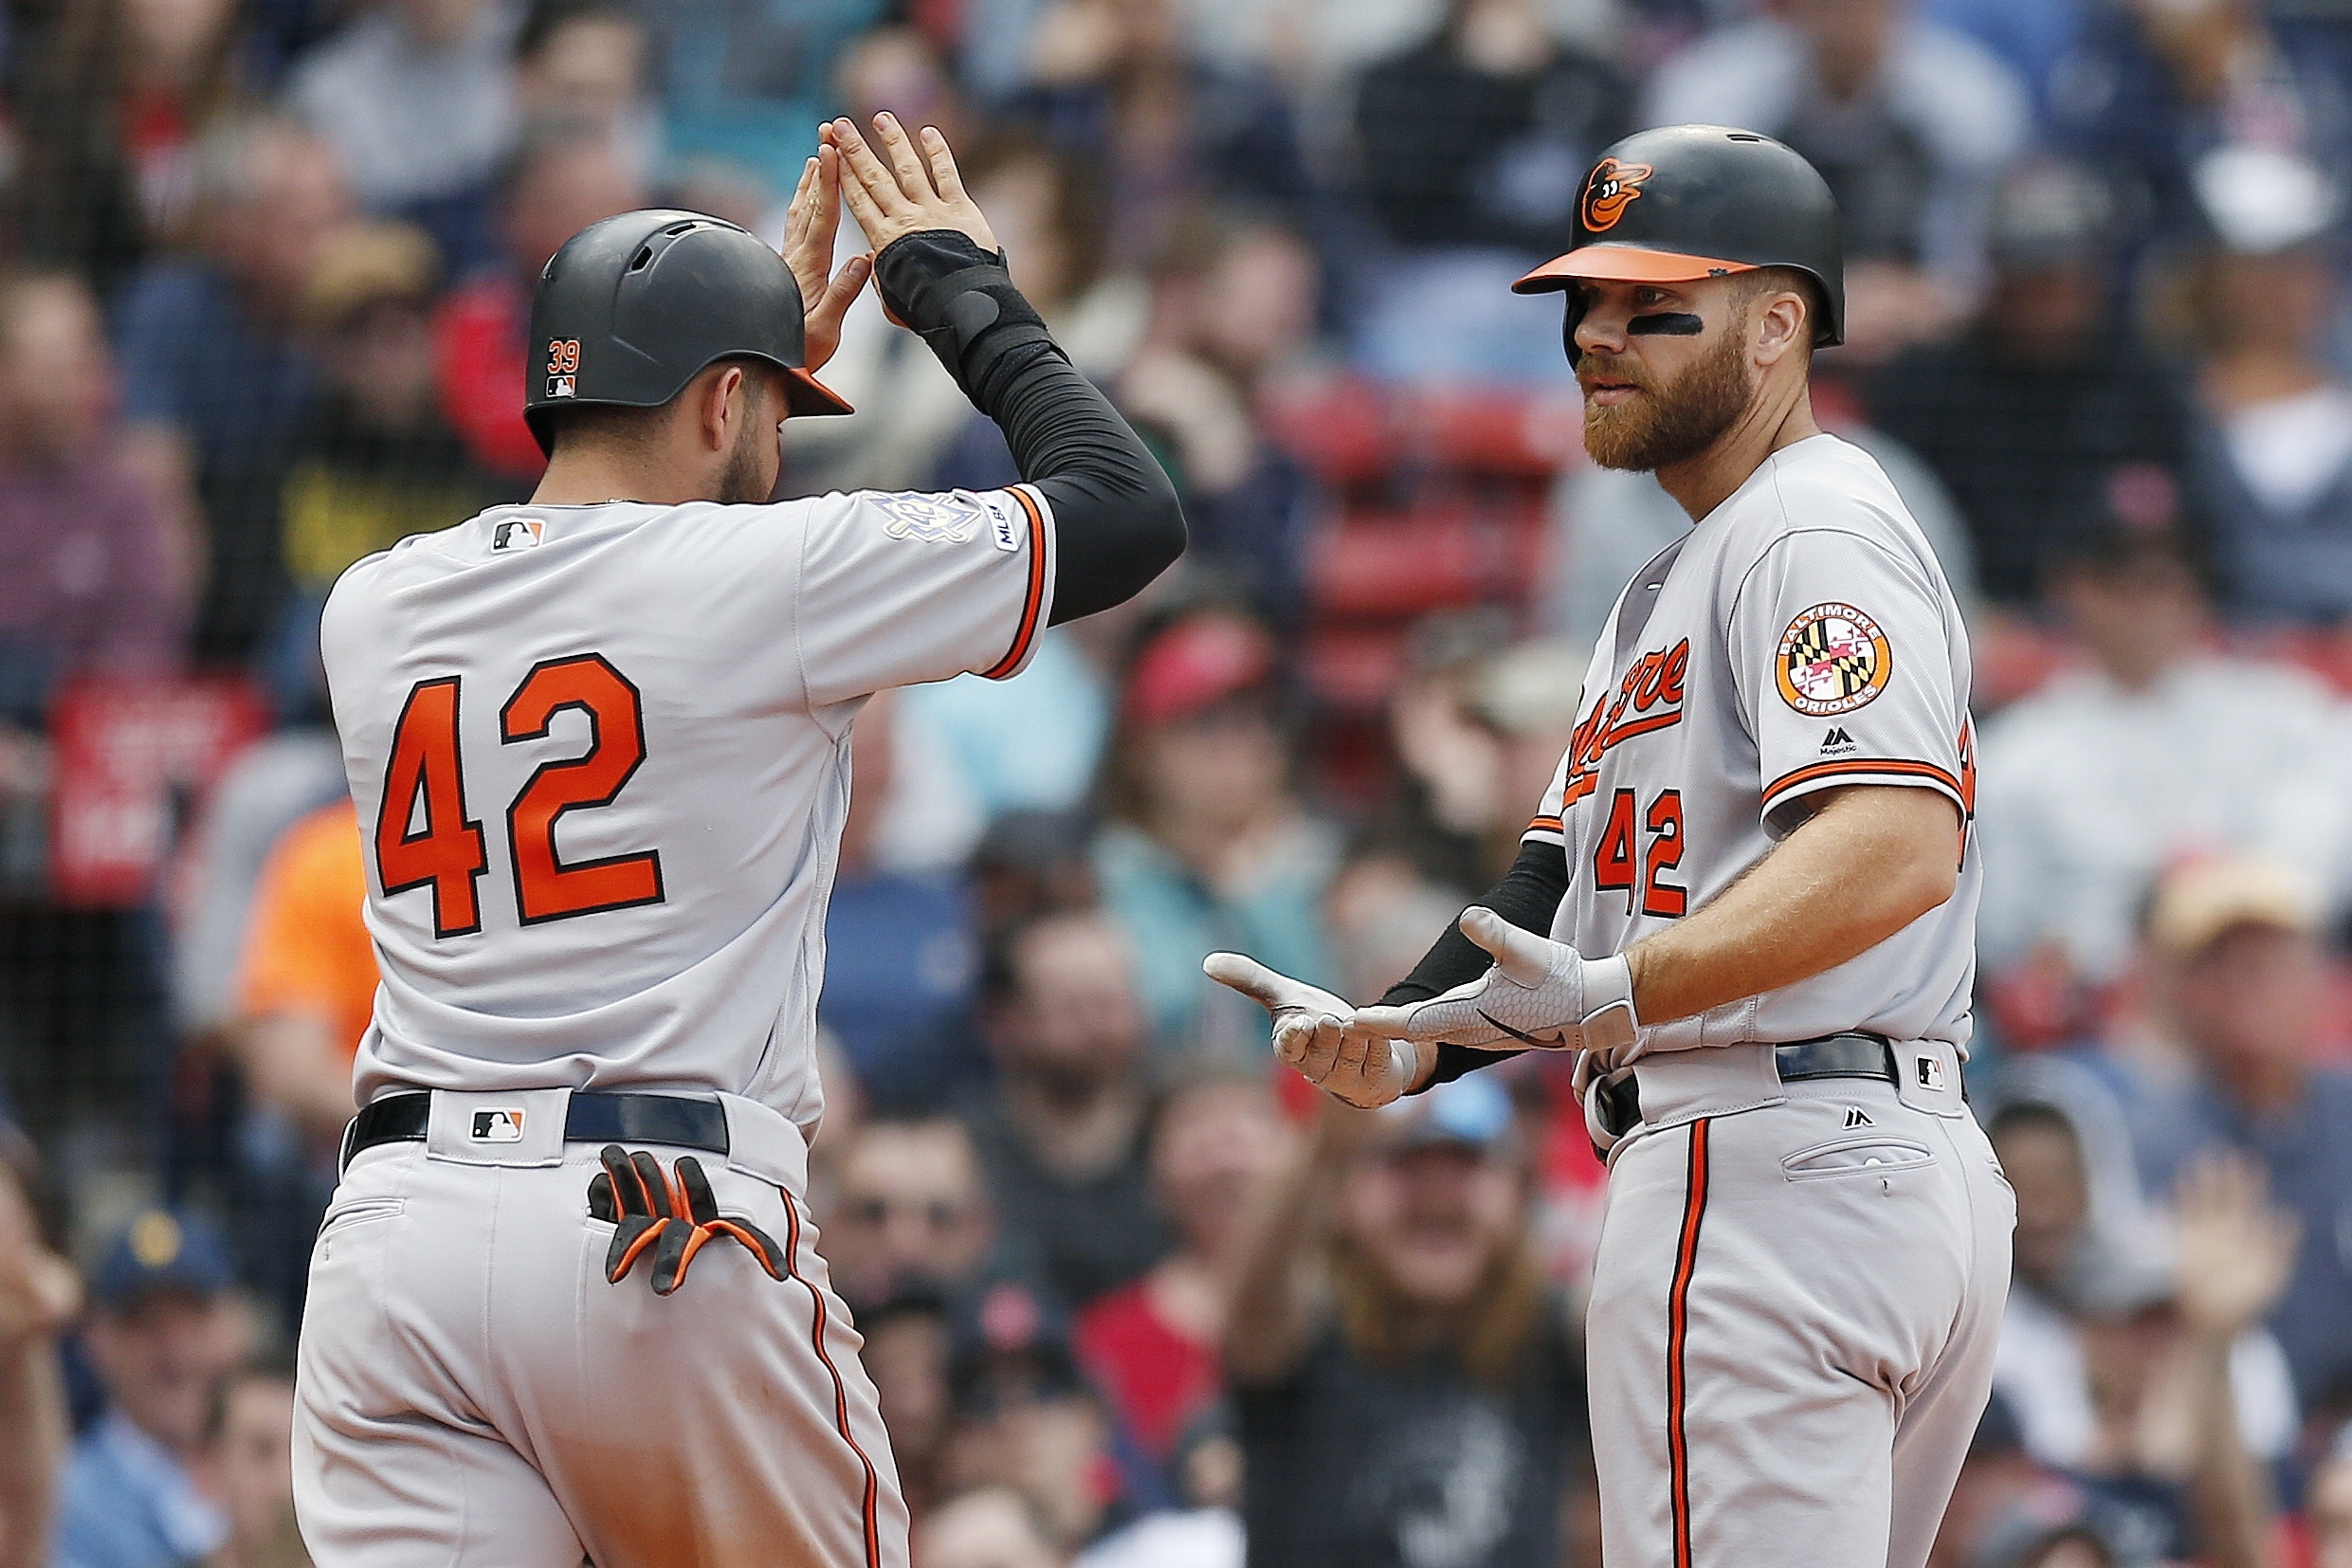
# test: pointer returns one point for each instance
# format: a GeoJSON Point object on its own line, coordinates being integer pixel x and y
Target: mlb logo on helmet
{"type": "Point", "coordinates": [560, 386]}
{"type": "Point", "coordinates": [498, 1126]}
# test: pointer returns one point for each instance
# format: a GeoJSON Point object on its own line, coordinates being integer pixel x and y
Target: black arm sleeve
{"type": "Point", "coordinates": [1118, 523]}
{"type": "Point", "coordinates": [1528, 896]}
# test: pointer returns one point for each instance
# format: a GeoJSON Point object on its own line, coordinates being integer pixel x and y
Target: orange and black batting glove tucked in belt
{"type": "Point", "coordinates": [670, 1215]}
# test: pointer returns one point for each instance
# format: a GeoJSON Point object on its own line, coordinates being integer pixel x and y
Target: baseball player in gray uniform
{"type": "Point", "coordinates": [566, 1304]}
{"type": "Point", "coordinates": [1748, 901]}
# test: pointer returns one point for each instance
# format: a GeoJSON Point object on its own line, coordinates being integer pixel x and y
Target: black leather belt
{"type": "Point", "coordinates": [594, 1117]}
{"type": "Point", "coordinates": [1849, 1055]}
{"type": "Point", "coordinates": [1852, 1054]}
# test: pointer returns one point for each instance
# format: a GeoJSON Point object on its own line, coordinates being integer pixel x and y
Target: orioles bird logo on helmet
{"type": "Point", "coordinates": [1614, 186]}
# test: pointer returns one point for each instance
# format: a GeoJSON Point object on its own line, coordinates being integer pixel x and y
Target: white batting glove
{"type": "Point", "coordinates": [1312, 1033]}
{"type": "Point", "coordinates": [1540, 993]}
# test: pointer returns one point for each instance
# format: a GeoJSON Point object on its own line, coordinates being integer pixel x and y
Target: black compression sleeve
{"type": "Point", "coordinates": [1528, 896]}
{"type": "Point", "coordinates": [1118, 523]}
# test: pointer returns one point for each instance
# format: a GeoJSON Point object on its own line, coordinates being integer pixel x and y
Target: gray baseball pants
{"type": "Point", "coordinates": [471, 1393]}
{"type": "Point", "coordinates": [1795, 1305]}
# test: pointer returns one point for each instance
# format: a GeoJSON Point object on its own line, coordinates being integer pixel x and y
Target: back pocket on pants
{"type": "Point", "coordinates": [1876, 1155]}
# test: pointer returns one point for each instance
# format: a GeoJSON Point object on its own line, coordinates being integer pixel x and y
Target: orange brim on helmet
{"type": "Point", "coordinates": [804, 395]}
{"type": "Point", "coordinates": [1624, 264]}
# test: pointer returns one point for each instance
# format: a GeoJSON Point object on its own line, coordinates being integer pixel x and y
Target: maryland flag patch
{"type": "Point", "coordinates": [1833, 659]}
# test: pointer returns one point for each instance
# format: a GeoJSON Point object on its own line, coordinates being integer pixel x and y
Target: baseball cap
{"type": "Point", "coordinates": [1471, 1113]}
{"type": "Point", "coordinates": [2262, 201]}
{"type": "Point", "coordinates": [163, 1250]}
{"type": "Point", "coordinates": [1010, 1344]}
{"type": "Point", "coordinates": [1194, 664]}
{"type": "Point", "coordinates": [2049, 213]}
{"type": "Point", "coordinates": [363, 264]}
{"type": "Point", "coordinates": [1529, 689]}
{"type": "Point", "coordinates": [2200, 900]}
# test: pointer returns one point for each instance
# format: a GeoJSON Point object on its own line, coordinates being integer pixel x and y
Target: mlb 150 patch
{"type": "Point", "coordinates": [930, 518]}
{"type": "Point", "coordinates": [1833, 659]}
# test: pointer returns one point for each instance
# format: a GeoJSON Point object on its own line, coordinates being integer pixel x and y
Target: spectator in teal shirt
{"type": "Point", "coordinates": [1209, 845]}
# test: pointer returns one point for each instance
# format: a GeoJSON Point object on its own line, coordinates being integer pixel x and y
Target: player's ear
{"type": "Point", "coordinates": [722, 404]}
{"type": "Point", "coordinates": [1782, 323]}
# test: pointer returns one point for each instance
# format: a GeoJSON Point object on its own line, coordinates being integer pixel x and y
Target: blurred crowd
{"type": "Point", "coordinates": [1131, 1300]}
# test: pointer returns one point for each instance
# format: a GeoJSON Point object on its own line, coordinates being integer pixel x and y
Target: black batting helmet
{"type": "Point", "coordinates": [634, 307]}
{"type": "Point", "coordinates": [1683, 202]}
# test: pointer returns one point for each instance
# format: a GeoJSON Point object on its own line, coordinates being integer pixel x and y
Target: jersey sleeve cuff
{"type": "Point", "coordinates": [1850, 771]}
{"type": "Point", "coordinates": [1546, 830]}
{"type": "Point", "coordinates": [1037, 599]}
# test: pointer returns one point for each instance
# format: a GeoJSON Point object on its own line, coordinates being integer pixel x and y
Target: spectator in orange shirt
{"type": "Point", "coordinates": [305, 990]}
{"type": "Point", "coordinates": [307, 985]}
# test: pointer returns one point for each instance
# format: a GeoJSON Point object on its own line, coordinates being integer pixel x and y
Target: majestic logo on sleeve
{"type": "Point", "coordinates": [1611, 189]}
{"type": "Point", "coordinates": [1832, 660]}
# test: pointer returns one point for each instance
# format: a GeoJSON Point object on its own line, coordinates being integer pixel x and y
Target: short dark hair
{"type": "Point", "coordinates": [1757, 281]}
{"type": "Point", "coordinates": [547, 18]}
{"type": "Point", "coordinates": [631, 429]}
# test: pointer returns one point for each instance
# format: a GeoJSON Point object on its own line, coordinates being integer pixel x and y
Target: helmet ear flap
{"type": "Point", "coordinates": [1575, 317]}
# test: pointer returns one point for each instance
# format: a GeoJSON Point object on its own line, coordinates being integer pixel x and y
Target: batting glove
{"type": "Point", "coordinates": [673, 1216]}
{"type": "Point", "coordinates": [1312, 1033]}
{"type": "Point", "coordinates": [1540, 993]}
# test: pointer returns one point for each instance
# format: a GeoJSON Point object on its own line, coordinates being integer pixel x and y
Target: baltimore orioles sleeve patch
{"type": "Point", "coordinates": [1833, 659]}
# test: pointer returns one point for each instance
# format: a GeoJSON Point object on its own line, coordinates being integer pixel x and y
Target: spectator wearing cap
{"type": "Point", "coordinates": [1909, 122]}
{"type": "Point", "coordinates": [1208, 844]}
{"type": "Point", "coordinates": [2275, 445]}
{"type": "Point", "coordinates": [1026, 1419]}
{"type": "Point", "coordinates": [39, 1294]}
{"type": "Point", "coordinates": [2046, 396]}
{"type": "Point", "coordinates": [416, 96]}
{"type": "Point", "coordinates": [2239, 978]}
{"type": "Point", "coordinates": [2132, 1353]}
{"type": "Point", "coordinates": [162, 1333]}
{"type": "Point", "coordinates": [901, 958]}
{"type": "Point", "coordinates": [561, 177]}
{"type": "Point", "coordinates": [1152, 1346]}
{"type": "Point", "coordinates": [1061, 1130]}
{"type": "Point", "coordinates": [374, 460]}
{"type": "Point", "coordinates": [1406, 1388]}
{"type": "Point", "coordinates": [219, 379]}
{"type": "Point", "coordinates": [2080, 795]}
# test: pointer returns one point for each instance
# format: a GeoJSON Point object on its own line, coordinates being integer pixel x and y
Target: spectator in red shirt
{"type": "Point", "coordinates": [1153, 1344]}
{"type": "Point", "coordinates": [563, 178]}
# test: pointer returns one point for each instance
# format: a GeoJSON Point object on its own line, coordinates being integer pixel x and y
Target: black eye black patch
{"type": "Point", "coordinates": [1665, 324]}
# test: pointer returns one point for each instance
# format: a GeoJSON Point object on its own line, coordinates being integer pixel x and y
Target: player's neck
{"type": "Point", "coordinates": [593, 475]}
{"type": "Point", "coordinates": [1778, 417]}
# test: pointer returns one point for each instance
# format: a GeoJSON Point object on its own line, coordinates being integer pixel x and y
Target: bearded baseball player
{"type": "Point", "coordinates": [566, 1305]}
{"type": "Point", "coordinates": [1748, 901]}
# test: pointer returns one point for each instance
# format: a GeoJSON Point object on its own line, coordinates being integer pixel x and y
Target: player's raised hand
{"type": "Point", "coordinates": [811, 224]}
{"type": "Point", "coordinates": [895, 188]}
{"type": "Point", "coordinates": [1540, 993]}
{"type": "Point", "coordinates": [1311, 1033]}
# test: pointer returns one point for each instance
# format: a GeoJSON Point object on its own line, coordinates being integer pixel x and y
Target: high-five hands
{"type": "Point", "coordinates": [1313, 1034]}
{"type": "Point", "coordinates": [1540, 993]}
{"type": "Point", "coordinates": [902, 190]}
{"type": "Point", "coordinates": [810, 223]}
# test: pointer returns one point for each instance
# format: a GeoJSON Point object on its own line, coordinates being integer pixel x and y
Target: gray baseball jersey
{"type": "Point", "coordinates": [1797, 1290]}
{"type": "Point", "coordinates": [601, 760]}
{"type": "Point", "coordinates": [1800, 638]}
